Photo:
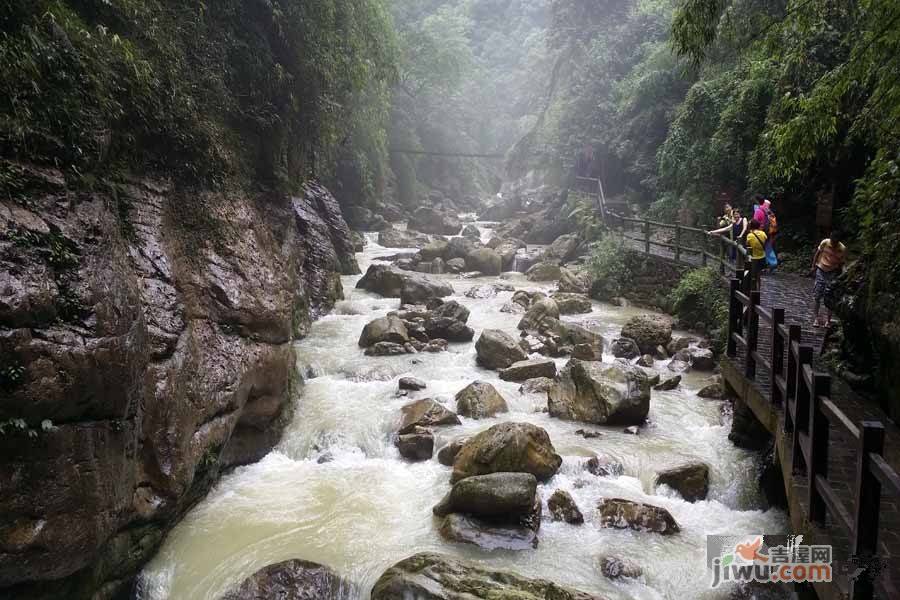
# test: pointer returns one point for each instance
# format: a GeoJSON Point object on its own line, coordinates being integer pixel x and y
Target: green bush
{"type": "Point", "coordinates": [608, 267]}
{"type": "Point", "coordinates": [699, 299]}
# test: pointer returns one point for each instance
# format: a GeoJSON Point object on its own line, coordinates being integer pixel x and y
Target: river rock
{"type": "Point", "coordinates": [481, 292]}
{"type": "Point", "coordinates": [447, 454]}
{"type": "Point", "coordinates": [572, 304]}
{"type": "Point", "coordinates": [700, 359]}
{"type": "Point", "coordinates": [480, 400]}
{"type": "Point", "coordinates": [487, 534]}
{"type": "Point", "coordinates": [425, 413]}
{"type": "Point", "coordinates": [358, 240]}
{"type": "Point", "coordinates": [460, 247]}
{"type": "Point", "coordinates": [540, 310]}
{"type": "Point", "coordinates": [291, 580]}
{"type": "Point", "coordinates": [713, 391]}
{"type": "Point", "coordinates": [434, 249]}
{"type": "Point", "coordinates": [603, 466]}
{"type": "Point", "coordinates": [627, 514]}
{"type": "Point", "coordinates": [539, 385]}
{"type": "Point", "coordinates": [430, 220]}
{"type": "Point", "coordinates": [420, 289]}
{"type": "Point", "coordinates": [417, 445]}
{"type": "Point", "coordinates": [435, 345]}
{"type": "Point", "coordinates": [438, 577]}
{"type": "Point", "coordinates": [471, 231]}
{"type": "Point", "coordinates": [563, 248]}
{"type": "Point", "coordinates": [456, 265]}
{"type": "Point", "coordinates": [507, 249]}
{"type": "Point", "coordinates": [384, 329]}
{"type": "Point", "coordinates": [544, 271]}
{"type": "Point", "coordinates": [669, 383]}
{"type": "Point", "coordinates": [625, 348]}
{"type": "Point", "coordinates": [679, 343]}
{"type": "Point", "coordinates": [573, 282]}
{"type": "Point", "coordinates": [389, 349]}
{"type": "Point", "coordinates": [485, 261]}
{"type": "Point", "coordinates": [645, 361]}
{"type": "Point", "coordinates": [508, 447]}
{"type": "Point", "coordinates": [592, 392]}
{"type": "Point", "coordinates": [396, 238]}
{"type": "Point", "coordinates": [506, 495]}
{"type": "Point", "coordinates": [648, 332]}
{"type": "Point", "coordinates": [448, 321]}
{"type": "Point", "coordinates": [678, 366]}
{"type": "Point", "coordinates": [384, 280]}
{"type": "Point", "coordinates": [575, 334]}
{"type": "Point", "coordinates": [614, 567]}
{"type": "Point", "coordinates": [690, 480]}
{"type": "Point", "coordinates": [563, 508]}
{"type": "Point", "coordinates": [496, 349]}
{"type": "Point", "coordinates": [411, 383]}
{"type": "Point", "coordinates": [529, 369]}
{"type": "Point", "coordinates": [587, 352]}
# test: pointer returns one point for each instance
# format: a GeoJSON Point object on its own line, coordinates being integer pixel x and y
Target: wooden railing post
{"type": "Point", "coordinates": [790, 386]}
{"type": "Point", "coordinates": [734, 315]}
{"type": "Point", "coordinates": [723, 256]}
{"type": "Point", "coordinates": [752, 335]}
{"type": "Point", "coordinates": [801, 397]}
{"type": "Point", "coordinates": [818, 447]}
{"type": "Point", "coordinates": [704, 248]}
{"type": "Point", "coordinates": [864, 543]}
{"type": "Point", "coordinates": [646, 237]}
{"type": "Point", "coordinates": [677, 243]}
{"type": "Point", "coordinates": [777, 356]}
{"type": "Point", "coordinates": [739, 267]}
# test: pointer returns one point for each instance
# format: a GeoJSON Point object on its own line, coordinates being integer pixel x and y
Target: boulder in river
{"type": "Point", "coordinates": [496, 349]}
{"type": "Point", "coordinates": [691, 480]}
{"type": "Point", "coordinates": [447, 454]}
{"type": "Point", "coordinates": [544, 271]}
{"type": "Point", "coordinates": [572, 304]}
{"type": "Point", "coordinates": [485, 261]}
{"type": "Point", "coordinates": [538, 313]}
{"type": "Point", "coordinates": [480, 400]}
{"type": "Point", "coordinates": [563, 248]}
{"type": "Point", "coordinates": [416, 445]}
{"type": "Point", "coordinates": [434, 249]}
{"type": "Point", "coordinates": [487, 534]}
{"type": "Point", "coordinates": [603, 466]}
{"type": "Point", "coordinates": [456, 265]}
{"type": "Point", "coordinates": [481, 292]}
{"type": "Point", "coordinates": [614, 567]}
{"type": "Point", "coordinates": [540, 385]}
{"type": "Point", "coordinates": [471, 231]}
{"type": "Point", "coordinates": [669, 383]}
{"type": "Point", "coordinates": [413, 384]}
{"type": "Point", "coordinates": [627, 514]}
{"type": "Point", "coordinates": [496, 495]}
{"type": "Point", "coordinates": [389, 349]}
{"type": "Point", "coordinates": [625, 348]}
{"type": "Point", "coordinates": [593, 392]}
{"type": "Point", "coordinates": [425, 413]}
{"type": "Point", "coordinates": [384, 329]}
{"type": "Point", "coordinates": [700, 359]}
{"type": "Point", "coordinates": [448, 321]}
{"type": "Point", "coordinates": [563, 508]}
{"type": "Point", "coordinates": [440, 577]}
{"type": "Point", "coordinates": [573, 282]}
{"type": "Point", "coordinates": [397, 238]}
{"type": "Point", "coordinates": [508, 447]}
{"type": "Point", "coordinates": [383, 279]}
{"type": "Point", "coordinates": [292, 580]}
{"type": "Point", "coordinates": [648, 331]}
{"type": "Point", "coordinates": [431, 220]}
{"type": "Point", "coordinates": [529, 369]}
{"type": "Point", "coordinates": [420, 289]}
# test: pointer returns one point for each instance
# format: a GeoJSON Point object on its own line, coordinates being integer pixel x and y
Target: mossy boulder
{"type": "Point", "coordinates": [508, 447]}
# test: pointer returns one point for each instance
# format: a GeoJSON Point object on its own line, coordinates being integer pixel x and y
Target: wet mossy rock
{"type": "Point", "coordinates": [648, 332]}
{"type": "Point", "coordinates": [152, 334]}
{"type": "Point", "coordinates": [619, 513]}
{"type": "Point", "coordinates": [496, 349]}
{"type": "Point", "coordinates": [508, 447]}
{"type": "Point", "coordinates": [691, 480]}
{"type": "Point", "coordinates": [292, 580]}
{"type": "Point", "coordinates": [440, 577]}
{"type": "Point", "coordinates": [480, 400]}
{"type": "Point", "coordinates": [605, 394]}
{"type": "Point", "coordinates": [493, 495]}
{"type": "Point", "coordinates": [425, 413]}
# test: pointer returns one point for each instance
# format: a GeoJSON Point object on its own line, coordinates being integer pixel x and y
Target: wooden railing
{"type": "Point", "coordinates": [804, 396]}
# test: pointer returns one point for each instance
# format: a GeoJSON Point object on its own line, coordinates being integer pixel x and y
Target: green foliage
{"type": "Point", "coordinates": [266, 90]}
{"type": "Point", "coordinates": [699, 298]}
{"type": "Point", "coordinates": [608, 266]}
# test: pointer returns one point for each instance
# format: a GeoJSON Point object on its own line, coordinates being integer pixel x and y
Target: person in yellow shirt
{"type": "Point", "coordinates": [756, 241]}
{"type": "Point", "coordinates": [827, 265]}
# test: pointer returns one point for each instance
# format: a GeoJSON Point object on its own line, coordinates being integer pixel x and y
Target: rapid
{"type": "Point", "coordinates": [336, 491]}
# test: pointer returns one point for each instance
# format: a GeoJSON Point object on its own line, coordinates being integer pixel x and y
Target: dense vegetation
{"type": "Point", "coordinates": [266, 91]}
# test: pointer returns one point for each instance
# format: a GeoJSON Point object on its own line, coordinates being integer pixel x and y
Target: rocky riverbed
{"type": "Point", "coordinates": [337, 491]}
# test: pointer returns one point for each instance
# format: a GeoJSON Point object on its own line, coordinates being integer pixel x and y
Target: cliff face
{"type": "Point", "coordinates": [145, 345]}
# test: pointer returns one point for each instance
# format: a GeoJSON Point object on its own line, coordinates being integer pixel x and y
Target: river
{"type": "Point", "coordinates": [366, 508]}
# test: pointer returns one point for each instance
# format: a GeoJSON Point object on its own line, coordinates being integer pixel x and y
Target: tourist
{"type": "Point", "coordinates": [736, 228]}
{"type": "Point", "coordinates": [770, 228]}
{"type": "Point", "coordinates": [756, 242]}
{"type": "Point", "coordinates": [727, 217]}
{"type": "Point", "coordinates": [827, 265]}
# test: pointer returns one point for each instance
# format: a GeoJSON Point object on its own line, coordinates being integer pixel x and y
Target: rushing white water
{"type": "Point", "coordinates": [367, 508]}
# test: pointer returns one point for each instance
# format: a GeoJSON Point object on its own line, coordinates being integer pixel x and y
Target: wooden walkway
{"type": "Point", "coordinates": [839, 454]}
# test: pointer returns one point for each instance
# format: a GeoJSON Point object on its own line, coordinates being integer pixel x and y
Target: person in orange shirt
{"type": "Point", "coordinates": [827, 265]}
